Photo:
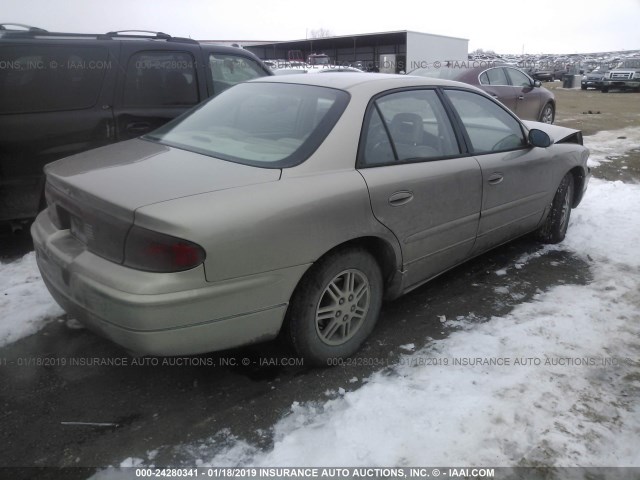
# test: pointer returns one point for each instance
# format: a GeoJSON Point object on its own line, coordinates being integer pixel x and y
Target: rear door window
{"type": "Point", "coordinates": [161, 79]}
{"type": "Point", "coordinates": [408, 126]}
{"type": "Point", "coordinates": [47, 78]}
{"type": "Point", "coordinates": [494, 76]}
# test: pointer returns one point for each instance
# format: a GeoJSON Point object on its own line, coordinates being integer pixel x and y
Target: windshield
{"type": "Point", "coordinates": [635, 63]}
{"type": "Point", "coordinates": [270, 125]}
{"type": "Point", "coordinates": [318, 59]}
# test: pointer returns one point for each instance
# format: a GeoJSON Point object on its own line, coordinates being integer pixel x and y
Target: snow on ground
{"type": "Point", "coordinates": [611, 143]}
{"type": "Point", "coordinates": [25, 303]}
{"type": "Point", "coordinates": [556, 382]}
{"type": "Point", "coordinates": [563, 390]}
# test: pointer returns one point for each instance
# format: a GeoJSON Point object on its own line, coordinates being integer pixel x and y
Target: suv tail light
{"type": "Point", "coordinates": [156, 252]}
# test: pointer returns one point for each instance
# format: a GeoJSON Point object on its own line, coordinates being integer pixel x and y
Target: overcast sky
{"type": "Point", "coordinates": [532, 26]}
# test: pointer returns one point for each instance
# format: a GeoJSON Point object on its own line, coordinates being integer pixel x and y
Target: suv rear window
{"type": "Point", "coordinates": [269, 125]}
{"type": "Point", "coordinates": [227, 70]}
{"type": "Point", "coordinates": [45, 78]}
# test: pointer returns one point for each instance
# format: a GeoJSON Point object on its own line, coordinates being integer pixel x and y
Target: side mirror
{"type": "Point", "coordinates": [538, 138]}
{"type": "Point", "coordinates": [537, 83]}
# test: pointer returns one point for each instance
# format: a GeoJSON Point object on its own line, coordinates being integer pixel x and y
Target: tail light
{"type": "Point", "coordinates": [156, 252]}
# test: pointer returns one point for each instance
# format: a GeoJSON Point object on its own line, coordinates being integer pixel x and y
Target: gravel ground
{"type": "Point", "coordinates": [592, 111]}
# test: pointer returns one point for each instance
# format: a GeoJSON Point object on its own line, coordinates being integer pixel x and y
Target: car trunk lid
{"type": "Point", "coordinates": [95, 194]}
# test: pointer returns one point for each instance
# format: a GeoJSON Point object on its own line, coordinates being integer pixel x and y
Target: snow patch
{"type": "Point", "coordinates": [567, 397]}
{"type": "Point", "coordinates": [25, 303]}
{"type": "Point", "coordinates": [607, 143]}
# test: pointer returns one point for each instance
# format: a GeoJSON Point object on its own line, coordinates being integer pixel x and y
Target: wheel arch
{"type": "Point", "coordinates": [579, 179]}
{"type": "Point", "coordinates": [387, 257]}
{"type": "Point", "coordinates": [549, 101]}
{"type": "Point", "coordinates": [383, 253]}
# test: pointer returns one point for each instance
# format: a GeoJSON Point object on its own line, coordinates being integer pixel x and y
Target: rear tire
{"type": "Point", "coordinates": [335, 307]}
{"type": "Point", "coordinates": [555, 226]}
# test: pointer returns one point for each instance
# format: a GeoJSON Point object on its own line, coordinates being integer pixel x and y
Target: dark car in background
{"type": "Point", "coordinates": [518, 91]}
{"type": "Point", "coordinates": [64, 93]}
{"type": "Point", "coordinates": [543, 75]}
{"type": "Point", "coordinates": [593, 79]}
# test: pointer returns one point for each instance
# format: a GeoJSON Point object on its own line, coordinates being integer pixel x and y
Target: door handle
{"type": "Point", "coordinates": [495, 178]}
{"type": "Point", "coordinates": [138, 127]}
{"type": "Point", "coordinates": [400, 198]}
{"type": "Point", "coordinates": [521, 97]}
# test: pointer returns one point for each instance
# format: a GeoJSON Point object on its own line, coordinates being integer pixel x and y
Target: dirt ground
{"type": "Point", "coordinates": [592, 111]}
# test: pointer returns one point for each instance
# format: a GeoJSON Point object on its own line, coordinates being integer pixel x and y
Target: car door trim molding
{"type": "Point", "coordinates": [422, 234]}
{"type": "Point", "coordinates": [470, 241]}
{"type": "Point", "coordinates": [516, 203]}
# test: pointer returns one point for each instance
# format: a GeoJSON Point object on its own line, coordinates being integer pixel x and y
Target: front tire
{"type": "Point", "coordinates": [548, 114]}
{"type": "Point", "coordinates": [335, 307]}
{"type": "Point", "coordinates": [555, 226]}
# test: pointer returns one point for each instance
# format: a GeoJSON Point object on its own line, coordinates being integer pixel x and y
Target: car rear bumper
{"type": "Point", "coordinates": [160, 314]}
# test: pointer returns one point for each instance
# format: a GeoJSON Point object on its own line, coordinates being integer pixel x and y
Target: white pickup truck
{"type": "Point", "coordinates": [625, 76]}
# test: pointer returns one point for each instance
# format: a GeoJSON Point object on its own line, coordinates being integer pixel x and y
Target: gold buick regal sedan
{"type": "Point", "coordinates": [295, 205]}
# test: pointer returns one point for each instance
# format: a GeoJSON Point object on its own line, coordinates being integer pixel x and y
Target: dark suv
{"type": "Point", "coordinates": [63, 93]}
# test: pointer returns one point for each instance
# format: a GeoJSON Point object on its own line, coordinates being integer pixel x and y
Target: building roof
{"type": "Point", "coordinates": [339, 41]}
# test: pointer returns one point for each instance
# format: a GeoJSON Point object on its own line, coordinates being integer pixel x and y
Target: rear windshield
{"type": "Point", "coordinates": [270, 125]}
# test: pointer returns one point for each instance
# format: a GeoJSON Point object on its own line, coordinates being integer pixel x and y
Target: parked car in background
{"type": "Point", "coordinates": [624, 76]}
{"type": "Point", "coordinates": [296, 204]}
{"type": "Point", "coordinates": [514, 88]}
{"type": "Point", "coordinates": [63, 93]}
{"type": "Point", "coordinates": [543, 75]}
{"type": "Point", "coordinates": [559, 72]}
{"type": "Point", "coordinates": [594, 78]}
{"type": "Point", "coordinates": [289, 71]}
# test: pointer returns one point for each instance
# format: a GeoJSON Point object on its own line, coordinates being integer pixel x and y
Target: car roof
{"type": "Point", "coordinates": [36, 35]}
{"type": "Point", "coordinates": [152, 39]}
{"type": "Point", "coordinates": [466, 73]}
{"type": "Point", "coordinates": [383, 81]}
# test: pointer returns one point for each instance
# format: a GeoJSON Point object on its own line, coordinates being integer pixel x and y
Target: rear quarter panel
{"type": "Point", "coordinates": [266, 227]}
